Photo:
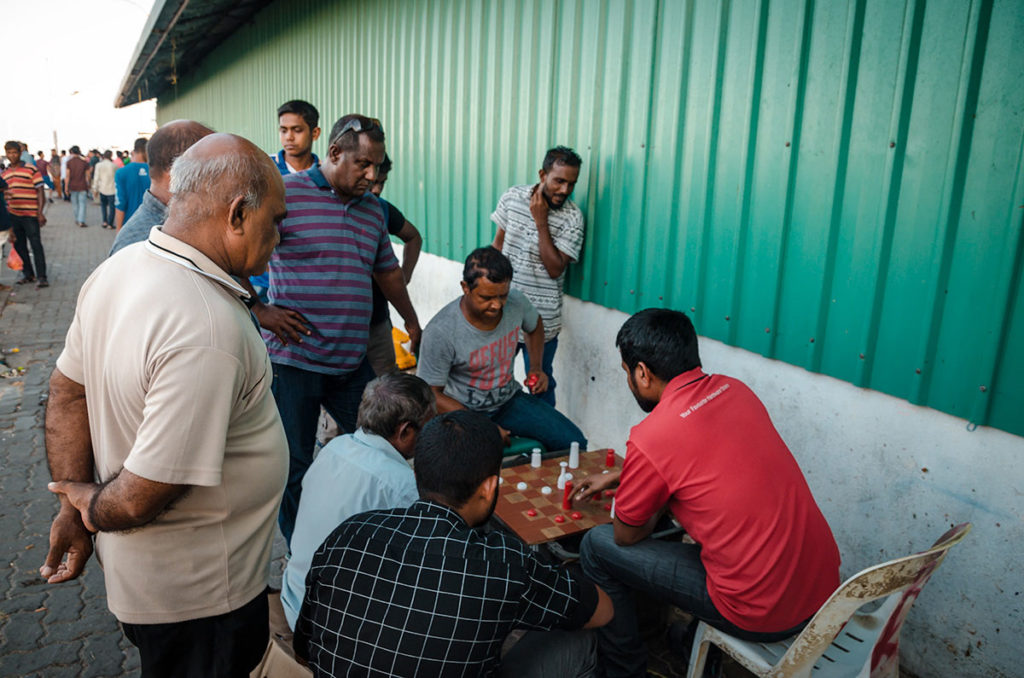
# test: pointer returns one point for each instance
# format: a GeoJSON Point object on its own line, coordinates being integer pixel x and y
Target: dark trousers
{"type": "Point", "coordinates": [107, 208]}
{"type": "Point", "coordinates": [226, 646]}
{"type": "Point", "coordinates": [300, 394]}
{"type": "Point", "coordinates": [26, 230]}
{"type": "Point", "coordinates": [547, 364]}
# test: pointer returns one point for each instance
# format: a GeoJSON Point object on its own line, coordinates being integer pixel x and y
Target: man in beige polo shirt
{"type": "Point", "coordinates": [161, 431]}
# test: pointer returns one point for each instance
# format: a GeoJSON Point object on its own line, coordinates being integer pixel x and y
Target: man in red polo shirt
{"type": "Point", "coordinates": [764, 560]}
{"type": "Point", "coordinates": [25, 202]}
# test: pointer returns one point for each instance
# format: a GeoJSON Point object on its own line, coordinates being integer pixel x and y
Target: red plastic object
{"type": "Point", "coordinates": [609, 459]}
{"type": "Point", "coordinates": [607, 507]}
{"type": "Point", "coordinates": [559, 519]}
{"type": "Point", "coordinates": [531, 381]}
{"type": "Point", "coordinates": [531, 512]}
{"type": "Point", "coordinates": [576, 515]}
{"type": "Point", "coordinates": [567, 496]}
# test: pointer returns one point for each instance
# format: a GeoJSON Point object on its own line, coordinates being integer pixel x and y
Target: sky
{"type": "Point", "coordinates": [79, 51]}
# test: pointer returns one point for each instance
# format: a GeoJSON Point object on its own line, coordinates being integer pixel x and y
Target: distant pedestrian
{"type": "Point", "coordinates": [103, 181]}
{"type": "Point", "coordinates": [162, 435]}
{"type": "Point", "coordinates": [25, 206]}
{"type": "Point", "coordinates": [119, 160]}
{"type": "Point", "coordinates": [26, 157]}
{"type": "Point", "coordinates": [170, 141]}
{"type": "Point", "coordinates": [55, 172]}
{"type": "Point", "coordinates": [6, 233]}
{"type": "Point", "coordinates": [64, 157]}
{"type": "Point", "coordinates": [79, 175]}
{"type": "Point", "coordinates": [132, 183]}
{"type": "Point", "coordinates": [43, 165]}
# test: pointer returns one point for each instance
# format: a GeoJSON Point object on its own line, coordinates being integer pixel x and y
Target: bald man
{"type": "Point", "coordinates": [166, 144]}
{"type": "Point", "coordinates": [162, 434]}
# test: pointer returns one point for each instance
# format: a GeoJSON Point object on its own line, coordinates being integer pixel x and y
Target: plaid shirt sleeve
{"type": "Point", "coordinates": [556, 598]}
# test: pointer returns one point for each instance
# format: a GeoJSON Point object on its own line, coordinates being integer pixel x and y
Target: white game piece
{"type": "Point", "coordinates": [535, 458]}
{"type": "Point", "coordinates": [574, 455]}
{"type": "Point", "coordinates": [561, 475]}
{"type": "Point", "coordinates": [568, 476]}
{"type": "Point", "coordinates": [501, 481]}
{"type": "Point", "coordinates": [521, 486]}
{"type": "Point", "coordinates": [546, 489]}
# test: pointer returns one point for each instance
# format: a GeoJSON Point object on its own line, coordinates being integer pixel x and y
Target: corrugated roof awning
{"type": "Point", "coordinates": [177, 36]}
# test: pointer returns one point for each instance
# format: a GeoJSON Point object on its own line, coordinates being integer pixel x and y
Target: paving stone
{"type": "Point", "coordinates": [22, 632]}
{"type": "Point", "coordinates": [50, 656]}
{"type": "Point", "coordinates": [101, 656]}
{"type": "Point", "coordinates": [63, 603]}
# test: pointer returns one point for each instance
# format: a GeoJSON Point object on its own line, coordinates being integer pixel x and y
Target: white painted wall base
{"type": "Point", "coordinates": [889, 476]}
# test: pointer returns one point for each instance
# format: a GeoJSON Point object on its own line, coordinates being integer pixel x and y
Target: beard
{"type": "Point", "coordinates": [645, 404]}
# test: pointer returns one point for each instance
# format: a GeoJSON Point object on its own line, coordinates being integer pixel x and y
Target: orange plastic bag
{"type": "Point", "coordinates": [14, 262]}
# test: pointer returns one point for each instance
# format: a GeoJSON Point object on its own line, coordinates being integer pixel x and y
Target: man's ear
{"type": "Point", "coordinates": [334, 153]}
{"type": "Point", "coordinates": [541, 174]}
{"type": "Point", "coordinates": [465, 287]}
{"type": "Point", "coordinates": [488, 487]}
{"type": "Point", "coordinates": [316, 133]}
{"type": "Point", "coordinates": [237, 214]}
{"type": "Point", "coordinates": [642, 374]}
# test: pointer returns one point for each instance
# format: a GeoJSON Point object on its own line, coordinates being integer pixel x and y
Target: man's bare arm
{"type": "Point", "coordinates": [127, 501]}
{"type": "Point", "coordinates": [410, 235]}
{"type": "Point", "coordinates": [499, 239]}
{"type": "Point", "coordinates": [69, 456]}
{"type": "Point", "coordinates": [445, 403]}
{"type": "Point", "coordinates": [535, 345]}
{"type": "Point", "coordinates": [392, 284]}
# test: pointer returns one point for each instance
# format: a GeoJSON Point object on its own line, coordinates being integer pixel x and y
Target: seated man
{"type": "Point", "coordinates": [467, 352]}
{"type": "Point", "coordinates": [764, 559]}
{"type": "Point", "coordinates": [358, 472]}
{"type": "Point", "coordinates": [420, 592]}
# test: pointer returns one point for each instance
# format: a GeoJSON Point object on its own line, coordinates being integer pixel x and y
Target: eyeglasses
{"type": "Point", "coordinates": [356, 125]}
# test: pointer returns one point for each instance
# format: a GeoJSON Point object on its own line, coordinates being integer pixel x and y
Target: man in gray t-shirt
{"type": "Point", "coordinates": [468, 348]}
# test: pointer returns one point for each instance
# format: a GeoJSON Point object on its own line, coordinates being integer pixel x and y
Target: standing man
{"type": "Point", "coordinates": [103, 180]}
{"type": "Point", "coordinates": [26, 156]}
{"type": "Point", "coordinates": [298, 126]}
{"type": "Point", "coordinates": [64, 157]}
{"type": "Point", "coordinates": [764, 560]}
{"type": "Point", "coordinates": [167, 143]}
{"type": "Point", "coordinates": [161, 431]}
{"type": "Point", "coordinates": [55, 172]}
{"type": "Point", "coordinates": [381, 348]}
{"type": "Point", "coordinates": [25, 202]}
{"type": "Point", "coordinates": [79, 175]}
{"type": "Point", "coordinates": [540, 230]}
{"type": "Point", "coordinates": [317, 322]}
{"type": "Point", "coordinates": [357, 472]}
{"type": "Point", "coordinates": [420, 591]}
{"type": "Point", "coordinates": [43, 165]}
{"type": "Point", "coordinates": [467, 354]}
{"type": "Point", "coordinates": [132, 182]}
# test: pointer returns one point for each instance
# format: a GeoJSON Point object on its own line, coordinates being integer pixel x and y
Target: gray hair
{"type": "Point", "coordinates": [393, 399]}
{"type": "Point", "coordinates": [224, 176]}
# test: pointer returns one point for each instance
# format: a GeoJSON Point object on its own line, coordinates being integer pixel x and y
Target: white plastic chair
{"type": "Point", "coordinates": [841, 641]}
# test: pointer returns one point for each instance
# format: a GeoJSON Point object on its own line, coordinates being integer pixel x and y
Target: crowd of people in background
{"type": "Point", "coordinates": [183, 416]}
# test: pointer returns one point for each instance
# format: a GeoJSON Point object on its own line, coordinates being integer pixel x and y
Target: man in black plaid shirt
{"type": "Point", "coordinates": [420, 592]}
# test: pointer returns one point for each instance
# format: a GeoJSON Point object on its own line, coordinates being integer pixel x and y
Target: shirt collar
{"type": "Point", "coordinates": [170, 248]}
{"type": "Point", "coordinates": [282, 164]}
{"type": "Point", "coordinates": [380, 443]}
{"type": "Point", "coordinates": [441, 511]}
{"type": "Point", "coordinates": [320, 181]}
{"type": "Point", "coordinates": [685, 379]}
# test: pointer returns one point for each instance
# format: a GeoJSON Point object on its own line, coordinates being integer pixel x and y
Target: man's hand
{"type": "Point", "coordinates": [70, 547]}
{"type": "Point", "coordinates": [42, 219]}
{"type": "Point", "coordinates": [506, 435]}
{"type": "Point", "coordinates": [287, 324]}
{"type": "Point", "coordinates": [598, 482]}
{"type": "Point", "coordinates": [536, 381]}
{"type": "Point", "coordinates": [415, 333]}
{"type": "Point", "coordinates": [79, 495]}
{"type": "Point", "coordinates": [539, 206]}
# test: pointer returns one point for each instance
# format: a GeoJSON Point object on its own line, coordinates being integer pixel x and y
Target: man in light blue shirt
{"type": "Point", "coordinates": [362, 471]}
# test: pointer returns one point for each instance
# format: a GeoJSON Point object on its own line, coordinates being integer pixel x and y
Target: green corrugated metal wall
{"type": "Point", "coordinates": [839, 185]}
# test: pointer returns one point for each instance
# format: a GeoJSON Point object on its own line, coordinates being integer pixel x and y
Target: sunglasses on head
{"type": "Point", "coordinates": [356, 125]}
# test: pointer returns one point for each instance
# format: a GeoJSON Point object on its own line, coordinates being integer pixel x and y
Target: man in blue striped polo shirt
{"type": "Point", "coordinates": [334, 241]}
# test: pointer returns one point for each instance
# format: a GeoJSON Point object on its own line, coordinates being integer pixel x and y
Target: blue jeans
{"type": "Point", "coordinates": [665, 570]}
{"type": "Point", "coordinates": [107, 208]}
{"type": "Point", "coordinates": [26, 232]}
{"type": "Point", "coordinates": [78, 200]}
{"type": "Point", "coordinates": [529, 416]}
{"type": "Point", "coordinates": [300, 394]}
{"type": "Point", "coordinates": [550, 347]}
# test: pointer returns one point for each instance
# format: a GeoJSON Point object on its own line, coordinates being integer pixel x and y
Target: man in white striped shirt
{"type": "Point", "coordinates": [540, 230]}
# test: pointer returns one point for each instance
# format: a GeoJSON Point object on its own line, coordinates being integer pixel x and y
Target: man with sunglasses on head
{"type": "Point", "coordinates": [333, 244]}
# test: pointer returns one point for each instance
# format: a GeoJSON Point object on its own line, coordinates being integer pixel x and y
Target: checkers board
{"type": "Point", "coordinates": [513, 504]}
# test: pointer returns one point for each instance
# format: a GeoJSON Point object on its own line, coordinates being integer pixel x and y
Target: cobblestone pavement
{"type": "Point", "coordinates": [65, 629]}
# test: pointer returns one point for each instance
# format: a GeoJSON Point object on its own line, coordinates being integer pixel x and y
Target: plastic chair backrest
{"type": "Point", "coordinates": [908, 574]}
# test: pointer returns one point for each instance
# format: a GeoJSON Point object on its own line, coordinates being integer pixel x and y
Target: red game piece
{"type": "Point", "coordinates": [595, 497]}
{"type": "Point", "coordinates": [607, 507]}
{"type": "Point", "coordinates": [559, 519]}
{"type": "Point", "coordinates": [531, 512]}
{"type": "Point", "coordinates": [531, 381]}
{"type": "Point", "coordinates": [609, 459]}
{"type": "Point", "coordinates": [567, 496]}
{"type": "Point", "coordinates": [576, 515]}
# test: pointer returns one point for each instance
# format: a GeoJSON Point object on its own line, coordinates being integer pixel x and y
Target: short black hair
{"type": "Point", "coordinates": [170, 141]}
{"type": "Point", "coordinates": [662, 339]}
{"type": "Point", "coordinates": [486, 262]}
{"type": "Point", "coordinates": [561, 155]}
{"type": "Point", "coordinates": [350, 141]}
{"type": "Point", "coordinates": [140, 145]}
{"type": "Point", "coordinates": [455, 452]}
{"type": "Point", "coordinates": [303, 109]}
{"type": "Point", "coordinates": [108, 155]}
{"type": "Point", "coordinates": [12, 144]}
{"type": "Point", "coordinates": [76, 150]}
{"type": "Point", "coordinates": [385, 166]}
